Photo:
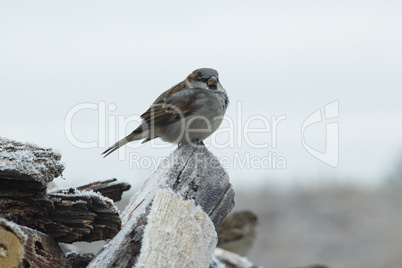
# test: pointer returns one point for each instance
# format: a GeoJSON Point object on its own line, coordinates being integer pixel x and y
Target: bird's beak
{"type": "Point", "coordinates": [213, 81]}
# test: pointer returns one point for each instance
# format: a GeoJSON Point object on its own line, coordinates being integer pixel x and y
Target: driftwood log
{"type": "Point", "coordinates": [191, 174]}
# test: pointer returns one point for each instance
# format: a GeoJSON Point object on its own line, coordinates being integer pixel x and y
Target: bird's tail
{"type": "Point", "coordinates": [132, 137]}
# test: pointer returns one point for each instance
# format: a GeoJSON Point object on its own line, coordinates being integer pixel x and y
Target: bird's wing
{"type": "Point", "coordinates": [174, 104]}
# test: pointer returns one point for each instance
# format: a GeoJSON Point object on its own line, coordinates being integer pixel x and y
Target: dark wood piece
{"type": "Point", "coordinates": [68, 217]}
{"type": "Point", "coordinates": [79, 260]}
{"type": "Point", "coordinates": [109, 188]}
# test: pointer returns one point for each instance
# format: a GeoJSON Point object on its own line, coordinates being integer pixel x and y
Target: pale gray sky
{"type": "Point", "coordinates": [274, 57]}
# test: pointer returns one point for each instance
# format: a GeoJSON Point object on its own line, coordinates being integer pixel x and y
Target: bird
{"type": "Point", "coordinates": [237, 232]}
{"type": "Point", "coordinates": [187, 113]}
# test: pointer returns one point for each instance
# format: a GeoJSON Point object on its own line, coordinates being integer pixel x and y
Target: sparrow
{"type": "Point", "coordinates": [187, 113]}
{"type": "Point", "coordinates": [237, 232]}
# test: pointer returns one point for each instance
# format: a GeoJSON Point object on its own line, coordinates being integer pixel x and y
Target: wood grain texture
{"type": "Point", "coordinates": [178, 234]}
{"type": "Point", "coordinates": [68, 216]}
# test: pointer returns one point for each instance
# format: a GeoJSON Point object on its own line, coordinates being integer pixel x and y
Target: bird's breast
{"type": "Point", "coordinates": [202, 122]}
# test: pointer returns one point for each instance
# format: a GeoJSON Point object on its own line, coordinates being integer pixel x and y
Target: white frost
{"type": "Point", "coordinates": [178, 234]}
{"type": "Point", "coordinates": [25, 160]}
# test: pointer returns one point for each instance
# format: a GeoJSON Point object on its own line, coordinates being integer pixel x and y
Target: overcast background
{"type": "Point", "coordinates": [274, 58]}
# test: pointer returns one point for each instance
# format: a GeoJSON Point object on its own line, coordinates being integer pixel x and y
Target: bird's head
{"type": "Point", "coordinates": [205, 78]}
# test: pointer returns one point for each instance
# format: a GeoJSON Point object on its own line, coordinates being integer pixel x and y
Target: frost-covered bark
{"type": "Point", "coordinates": [69, 216]}
{"type": "Point", "coordinates": [26, 167]}
{"type": "Point", "coordinates": [192, 173]}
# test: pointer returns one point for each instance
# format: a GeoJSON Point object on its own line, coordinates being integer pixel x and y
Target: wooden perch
{"type": "Point", "coordinates": [28, 247]}
{"type": "Point", "coordinates": [192, 173]}
{"type": "Point", "coordinates": [109, 188]}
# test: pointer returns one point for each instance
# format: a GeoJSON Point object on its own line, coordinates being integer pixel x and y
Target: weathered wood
{"type": "Point", "coordinates": [26, 169]}
{"type": "Point", "coordinates": [192, 173]}
{"type": "Point", "coordinates": [232, 260]}
{"type": "Point", "coordinates": [79, 260]}
{"type": "Point", "coordinates": [188, 235]}
{"type": "Point", "coordinates": [28, 247]}
{"type": "Point", "coordinates": [109, 188]}
{"type": "Point", "coordinates": [68, 216]}
{"type": "Point", "coordinates": [11, 245]}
